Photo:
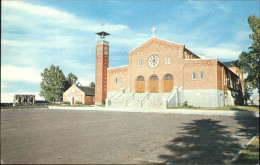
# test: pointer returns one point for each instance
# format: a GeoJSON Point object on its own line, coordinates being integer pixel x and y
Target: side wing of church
{"type": "Point", "coordinates": [175, 75]}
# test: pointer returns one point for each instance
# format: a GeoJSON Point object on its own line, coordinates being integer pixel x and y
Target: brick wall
{"type": "Point", "coordinates": [102, 53]}
{"type": "Point", "coordinates": [117, 78]}
{"type": "Point", "coordinates": [73, 92]}
{"type": "Point", "coordinates": [89, 100]}
{"type": "Point", "coordinates": [209, 69]}
{"type": "Point", "coordinates": [162, 49]}
{"type": "Point", "coordinates": [183, 63]}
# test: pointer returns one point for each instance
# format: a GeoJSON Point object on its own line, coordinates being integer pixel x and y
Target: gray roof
{"type": "Point", "coordinates": [89, 91]}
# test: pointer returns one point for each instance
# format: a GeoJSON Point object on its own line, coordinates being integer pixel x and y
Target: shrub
{"type": "Point", "coordinates": [78, 103]}
{"type": "Point", "coordinates": [185, 103]}
{"type": "Point", "coordinates": [66, 102]}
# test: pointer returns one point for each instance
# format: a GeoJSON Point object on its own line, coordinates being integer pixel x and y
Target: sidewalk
{"type": "Point", "coordinates": [173, 111]}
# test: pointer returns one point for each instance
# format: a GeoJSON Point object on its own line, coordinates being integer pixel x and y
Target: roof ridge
{"type": "Point", "coordinates": [151, 39]}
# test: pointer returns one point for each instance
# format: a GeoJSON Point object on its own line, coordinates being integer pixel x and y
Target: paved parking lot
{"type": "Point", "coordinates": [63, 136]}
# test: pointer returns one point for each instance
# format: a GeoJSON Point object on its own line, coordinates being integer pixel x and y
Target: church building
{"type": "Point", "coordinates": [162, 73]}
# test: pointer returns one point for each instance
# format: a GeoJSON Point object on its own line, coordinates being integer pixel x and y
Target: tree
{"type": "Point", "coordinates": [53, 84]}
{"type": "Point", "coordinates": [92, 84]}
{"type": "Point", "coordinates": [247, 92]}
{"type": "Point", "coordinates": [249, 61]}
{"type": "Point", "coordinates": [70, 80]}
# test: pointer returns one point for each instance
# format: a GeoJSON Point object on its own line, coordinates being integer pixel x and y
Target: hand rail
{"type": "Point", "coordinates": [132, 96]}
{"type": "Point", "coordinates": [147, 96]}
{"type": "Point", "coordinates": [169, 96]}
{"type": "Point", "coordinates": [114, 95]}
{"type": "Point", "coordinates": [170, 93]}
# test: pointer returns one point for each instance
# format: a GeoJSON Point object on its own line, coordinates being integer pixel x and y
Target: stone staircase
{"type": "Point", "coordinates": [141, 100]}
{"type": "Point", "coordinates": [155, 100]}
{"type": "Point", "coordinates": [120, 101]}
{"type": "Point", "coordinates": [136, 102]}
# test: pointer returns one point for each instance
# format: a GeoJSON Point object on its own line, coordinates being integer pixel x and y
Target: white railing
{"type": "Point", "coordinates": [171, 95]}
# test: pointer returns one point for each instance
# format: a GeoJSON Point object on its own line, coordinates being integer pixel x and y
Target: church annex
{"type": "Point", "coordinates": [167, 73]}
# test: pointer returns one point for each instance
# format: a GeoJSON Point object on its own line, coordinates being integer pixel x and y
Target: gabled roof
{"type": "Point", "coordinates": [154, 38]}
{"type": "Point", "coordinates": [89, 91]}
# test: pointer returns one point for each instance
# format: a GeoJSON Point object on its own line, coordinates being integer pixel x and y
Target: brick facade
{"type": "Point", "coordinates": [89, 100]}
{"type": "Point", "coordinates": [186, 69]}
{"type": "Point", "coordinates": [74, 94]}
{"type": "Point", "coordinates": [102, 53]}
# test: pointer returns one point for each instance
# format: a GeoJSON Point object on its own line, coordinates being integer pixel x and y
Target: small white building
{"type": "Point", "coordinates": [83, 94]}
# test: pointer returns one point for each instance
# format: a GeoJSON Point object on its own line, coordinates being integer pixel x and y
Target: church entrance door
{"type": "Point", "coordinates": [140, 85]}
{"type": "Point", "coordinates": [153, 84]}
{"type": "Point", "coordinates": [168, 83]}
{"type": "Point", "coordinates": [72, 103]}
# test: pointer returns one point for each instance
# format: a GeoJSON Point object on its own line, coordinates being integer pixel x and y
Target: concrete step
{"type": "Point", "coordinates": [155, 100]}
{"type": "Point", "coordinates": [120, 101]}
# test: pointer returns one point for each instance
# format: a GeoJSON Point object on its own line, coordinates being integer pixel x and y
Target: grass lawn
{"type": "Point", "coordinates": [63, 105]}
{"type": "Point", "coordinates": [23, 107]}
{"type": "Point", "coordinates": [73, 105]}
{"type": "Point", "coordinates": [252, 108]}
{"type": "Point", "coordinates": [250, 155]}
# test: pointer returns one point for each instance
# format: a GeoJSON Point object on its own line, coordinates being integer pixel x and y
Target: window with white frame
{"type": "Point", "coordinates": [193, 76]}
{"type": "Point", "coordinates": [201, 75]}
{"type": "Point", "coordinates": [120, 80]}
{"type": "Point", "coordinates": [168, 60]}
{"type": "Point", "coordinates": [186, 56]}
{"type": "Point", "coordinates": [140, 63]}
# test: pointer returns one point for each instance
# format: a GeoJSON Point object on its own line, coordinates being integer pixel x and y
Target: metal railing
{"type": "Point", "coordinates": [114, 95]}
{"type": "Point", "coordinates": [147, 96]}
{"type": "Point", "coordinates": [133, 95]}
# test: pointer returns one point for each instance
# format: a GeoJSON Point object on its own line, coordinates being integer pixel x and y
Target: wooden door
{"type": "Point", "coordinates": [168, 83]}
{"type": "Point", "coordinates": [140, 85]}
{"type": "Point", "coordinates": [72, 101]}
{"type": "Point", "coordinates": [153, 84]}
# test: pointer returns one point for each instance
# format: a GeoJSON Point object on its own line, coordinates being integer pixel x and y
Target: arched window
{"type": "Point", "coordinates": [154, 78]}
{"type": "Point", "coordinates": [168, 77]}
{"type": "Point", "coordinates": [140, 78]}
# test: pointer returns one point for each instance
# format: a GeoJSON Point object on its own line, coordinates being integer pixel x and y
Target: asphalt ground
{"type": "Point", "coordinates": [90, 137]}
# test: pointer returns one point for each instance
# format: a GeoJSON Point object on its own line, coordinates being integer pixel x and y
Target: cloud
{"type": "Point", "coordinates": [218, 52]}
{"type": "Point", "coordinates": [51, 17]}
{"type": "Point", "coordinates": [15, 73]}
{"type": "Point", "coordinates": [3, 85]}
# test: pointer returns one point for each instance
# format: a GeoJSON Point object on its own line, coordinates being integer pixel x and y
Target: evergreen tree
{"type": "Point", "coordinates": [92, 84]}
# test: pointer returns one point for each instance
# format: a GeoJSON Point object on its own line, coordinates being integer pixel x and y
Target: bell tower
{"type": "Point", "coordinates": [102, 53]}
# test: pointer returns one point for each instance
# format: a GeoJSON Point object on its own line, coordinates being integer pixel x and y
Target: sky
{"type": "Point", "coordinates": [39, 33]}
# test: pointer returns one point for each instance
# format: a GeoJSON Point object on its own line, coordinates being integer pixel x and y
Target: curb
{"type": "Point", "coordinates": [24, 109]}
{"type": "Point", "coordinates": [240, 152]}
{"type": "Point", "coordinates": [175, 111]}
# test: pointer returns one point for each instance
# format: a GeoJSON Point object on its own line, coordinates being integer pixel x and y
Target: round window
{"type": "Point", "coordinates": [153, 61]}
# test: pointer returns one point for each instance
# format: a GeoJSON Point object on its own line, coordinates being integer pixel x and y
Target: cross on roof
{"type": "Point", "coordinates": [153, 30]}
